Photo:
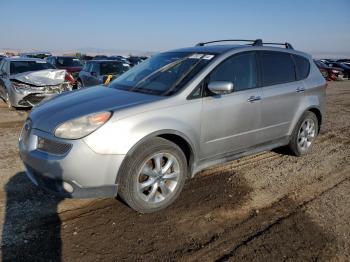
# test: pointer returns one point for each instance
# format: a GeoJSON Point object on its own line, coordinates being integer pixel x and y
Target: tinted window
{"type": "Point", "coordinates": [112, 68]}
{"type": "Point", "coordinates": [86, 67]}
{"type": "Point", "coordinates": [68, 61]}
{"type": "Point", "coordinates": [95, 68]}
{"type": "Point", "coordinates": [239, 69]}
{"type": "Point", "coordinates": [276, 68]}
{"type": "Point", "coordinates": [2, 63]}
{"type": "Point", "coordinates": [303, 67]}
{"type": "Point", "coordinates": [17, 67]}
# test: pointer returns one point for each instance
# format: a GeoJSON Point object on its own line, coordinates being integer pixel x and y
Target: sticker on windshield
{"type": "Point", "coordinates": [208, 57]}
{"type": "Point", "coordinates": [196, 56]}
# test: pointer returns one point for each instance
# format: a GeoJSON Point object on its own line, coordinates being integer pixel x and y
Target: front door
{"type": "Point", "coordinates": [231, 122]}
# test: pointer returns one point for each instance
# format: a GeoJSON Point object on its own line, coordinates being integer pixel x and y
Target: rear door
{"type": "Point", "coordinates": [231, 122]}
{"type": "Point", "coordinates": [280, 92]}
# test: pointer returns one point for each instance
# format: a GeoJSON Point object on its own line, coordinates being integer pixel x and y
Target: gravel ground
{"type": "Point", "coordinates": [266, 207]}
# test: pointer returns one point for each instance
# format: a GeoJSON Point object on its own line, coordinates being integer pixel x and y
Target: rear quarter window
{"type": "Point", "coordinates": [276, 68]}
{"type": "Point", "coordinates": [302, 67]}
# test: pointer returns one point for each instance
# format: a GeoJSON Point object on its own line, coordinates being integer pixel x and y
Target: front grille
{"type": "Point", "coordinates": [34, 99]}
{"type": "Point", "coordinates": [52, 147]}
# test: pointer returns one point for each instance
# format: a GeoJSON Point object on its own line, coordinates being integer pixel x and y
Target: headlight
{"type": "Point", "coordinates": [20, 87]}
{"type": "Point", "coordinates": [82, 126]}
{"type": "Point", "coordinates": [335, 71]}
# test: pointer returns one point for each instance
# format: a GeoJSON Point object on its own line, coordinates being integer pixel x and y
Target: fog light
{"type": "Point", "coordinates": [67, 187]}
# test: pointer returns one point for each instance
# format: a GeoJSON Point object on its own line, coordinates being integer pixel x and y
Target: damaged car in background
{"type": "Point", "coordinates": [25, 82]}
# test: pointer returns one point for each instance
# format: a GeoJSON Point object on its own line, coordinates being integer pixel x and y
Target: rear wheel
{"type": "Point", "coordinates": [153, 176]}
{"type": "Point", "coordinates": [304, 134]}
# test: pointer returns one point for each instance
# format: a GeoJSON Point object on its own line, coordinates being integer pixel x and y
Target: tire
{"type": "Point", "coordinates": [304, 134]}
{"type": "Point", "coordinates": [142, 184]}
{"type": "Point", "coordinates": [79, 84]}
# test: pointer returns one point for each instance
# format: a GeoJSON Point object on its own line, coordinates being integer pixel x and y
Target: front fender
{"type": "Point", "coordinates": [121, 136]}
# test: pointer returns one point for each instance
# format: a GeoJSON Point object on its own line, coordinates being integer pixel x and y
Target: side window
{"type": "Point", "coordinates": [2, 65]}
{"type": "Point", "coordinates": [86, 67]}
{"type": "Point", "coordinates": [276, 68]}
{"type": "Point", "coordinates": [239, 69]}
{"type": "Point", "coordinates": [95, 68]}
{"type": "Point", "coordinates": [302, 66]}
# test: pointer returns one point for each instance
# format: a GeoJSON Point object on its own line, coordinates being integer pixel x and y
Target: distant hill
{"type": "Point", "coordinates": [85, 50]}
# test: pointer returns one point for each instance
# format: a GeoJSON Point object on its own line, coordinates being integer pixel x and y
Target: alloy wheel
{"type": "Point", "coordinates": [306, 134]}
{"type": "Point", "coordinates": [158, 177]}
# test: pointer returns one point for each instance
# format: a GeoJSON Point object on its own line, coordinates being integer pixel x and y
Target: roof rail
{"type": "Point", "coordinates": [287, 45]}
{"type": "Point", "coordinates": [256, 42]}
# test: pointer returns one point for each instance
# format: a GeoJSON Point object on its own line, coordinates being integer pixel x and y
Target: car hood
{"type": "Point", "coordinates": [46, 77]}
{"type": "Point", "coordinates": [82, 102]}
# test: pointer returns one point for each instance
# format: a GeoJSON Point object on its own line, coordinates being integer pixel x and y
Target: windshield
{"type": "Point", "coordinates": [162, 74]}
{"type": "Point", "coordinates": [69, 61]}
{"type": "Point", "coordinates": [113, 68]}
{"type": "Point", "coordinates": [17, 67]}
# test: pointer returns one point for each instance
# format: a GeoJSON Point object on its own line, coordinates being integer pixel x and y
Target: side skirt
{"type": "Point", "coordinates": [267, 146]}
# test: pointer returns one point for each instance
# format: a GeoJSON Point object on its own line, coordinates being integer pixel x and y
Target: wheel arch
{"type": "Point", "coordinates": [318, 114]}
{"type": "Point", "coordinates": [174, 136]}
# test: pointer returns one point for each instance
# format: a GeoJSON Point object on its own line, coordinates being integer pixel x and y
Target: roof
{"type": "Point", "coordinates": [105, 60]}
{"type": "Point", "coordinates": [11, 59]}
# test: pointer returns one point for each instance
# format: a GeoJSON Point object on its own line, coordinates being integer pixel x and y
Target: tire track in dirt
{"type": "Point", "coordinates": [221, 248]}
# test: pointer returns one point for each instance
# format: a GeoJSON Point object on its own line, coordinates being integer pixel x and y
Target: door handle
{"type": "Point", "coordinates": [254, 98]}
{"type": "Point", "coordinates": [300, 89]}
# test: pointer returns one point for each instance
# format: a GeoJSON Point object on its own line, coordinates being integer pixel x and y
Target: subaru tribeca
{"type": "Point", "coordinates": [172, 116]}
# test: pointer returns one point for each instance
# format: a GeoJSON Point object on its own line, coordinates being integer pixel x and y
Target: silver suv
{"type": "Point", "coordinates": [170, 117]}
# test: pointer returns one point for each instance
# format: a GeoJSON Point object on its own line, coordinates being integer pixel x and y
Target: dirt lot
{"type": "Point", "coordinates": [266, 207]}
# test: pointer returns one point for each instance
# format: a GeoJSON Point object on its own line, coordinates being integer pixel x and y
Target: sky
{"type": "Point", "coordinates": [309, 25]}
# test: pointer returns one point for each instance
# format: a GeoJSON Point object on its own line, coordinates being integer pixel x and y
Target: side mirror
{"type": "Point", "coordinates": [221, 87]}
{"type": "Point", "coordinates": [93, 74]}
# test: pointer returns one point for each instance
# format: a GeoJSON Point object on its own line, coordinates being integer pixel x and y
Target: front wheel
{"type": "Point", "coordinates": [79, 84]}
{"type": "Point", "coordinates": [304, 134]}
{"type": "Point", "coordinates": [153, 176]}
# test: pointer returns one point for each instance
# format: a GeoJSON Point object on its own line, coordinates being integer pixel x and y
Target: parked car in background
{"type": "Point", "coordinates": [120, 58]}
{"type": "Point", "coordinates": [24, 82]}
{"type": "Point", "coordinates": [346, 68]}
{"type": "Point", "coordinates": [168, 118]}
{"type": "Point", "coordinates": [40, 55]}
{"type": "Point", "coordinates": [71, 64]}
{"type": "Point", "coordinates": [100, 57]}
{"type": "Point", "coordinates": [344, 61]}
{"type": "Point", "coordinates": [96, 72]}
{"type": "Point", "coordinates": [135, 60]}
{"type": "Point", "coordinates": [329, 73]}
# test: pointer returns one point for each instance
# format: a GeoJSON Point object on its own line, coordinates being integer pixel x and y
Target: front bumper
{"type": "Point", "coordinates": [73, 171]}
{"type": "Point", "coordinates": [32, 97]}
